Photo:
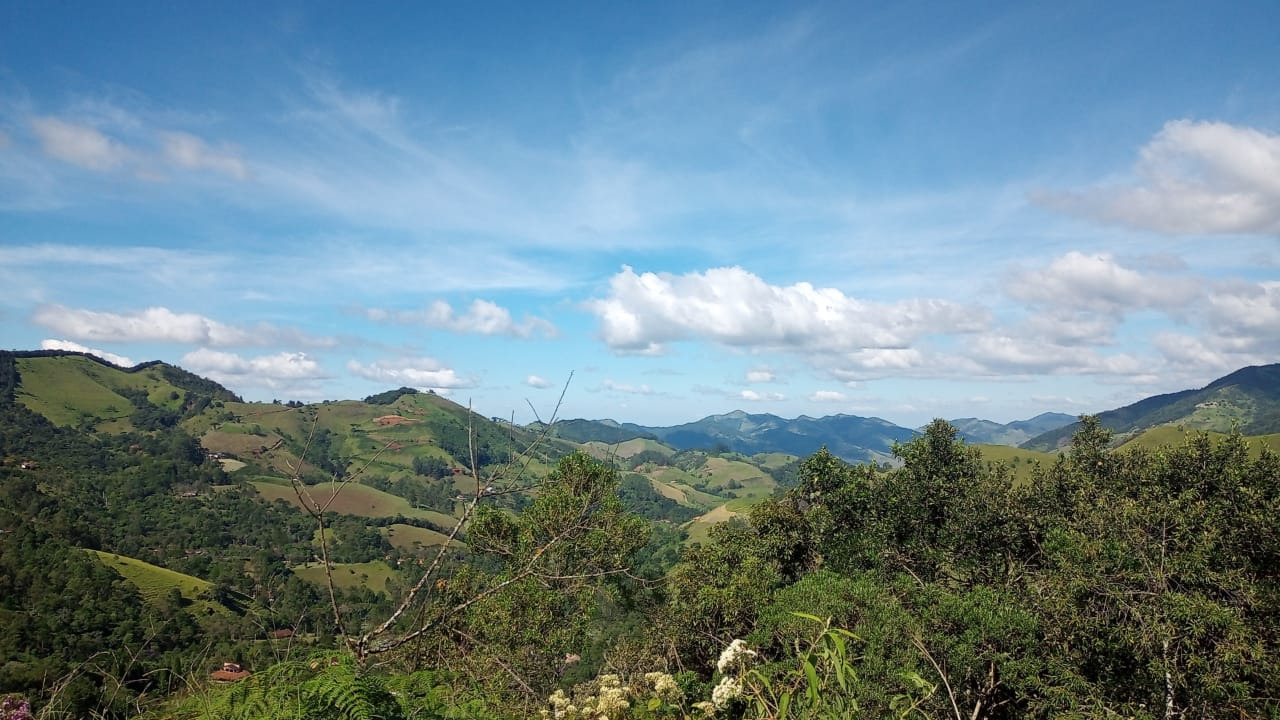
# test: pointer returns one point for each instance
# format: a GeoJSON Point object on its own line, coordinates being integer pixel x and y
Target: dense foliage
{"type": "Point", "coordinates": [1136, 583]}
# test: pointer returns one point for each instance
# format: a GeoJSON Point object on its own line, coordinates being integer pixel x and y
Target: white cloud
{"type": "Point", "coordinates": [1193, 177]}
{"type": "Point", "coordinates": [1192, 353]}
{"type": "Point", "coordinates": [1246, 310]}
{"type": "Point", "coordinates": [80, 145]}
{"type": "Point", "coordinates": [535, 381]}
{"type": "Point", "coordinates": [423, 373]}
{"type": "Point", "coordinates": [272, 371]}
{"type": "Point", "coordinates": [53, 344]}
{"type": "Point", "coordinates": [1001, 353]}
{"type": "Point", "coordinates": [827, 396]}
{"type": "Point", "coordinates": [160, 324]}
{"type": "Point", "coordinates": [148, 151]}
{"type": "Point", "coordinates": [753, 396]}
{"type": "Point", "coordinates": [760, 375]}
{"type": "Point", "coordinates": [734, 307]}
{"type": "Point", "coordinates": [1098, 283]}
{"type": "Point", "coordinates": [481, 318]}
{"type": "Point", "coordinates": [189, 152]}
{"type": "Point", "coordinates": [1071, 328]}
{"type": "Point", "coordinates": [626, 388]}
{"type": "Point", "coordinates": [1242, 327]}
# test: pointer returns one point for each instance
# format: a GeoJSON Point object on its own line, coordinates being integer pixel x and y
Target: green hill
{"type": "Point", "coordinates": [155, 583]}
{"type": "Point", "coordinates": [1021, 461]}
{"type": "Point", "coordinates": [376, 575]}
{"type": "Point", "coordinates": [1173, 435]}
{"type": "Point", "coordinates": [1248, 398]}
{"type": "Point", "coordinates": [353, 499]}
{"type": "Point", "coordinates": [75, 389]}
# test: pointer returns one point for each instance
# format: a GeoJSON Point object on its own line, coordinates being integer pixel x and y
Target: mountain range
{"type": "Point", "coordinates": [1247, 399]}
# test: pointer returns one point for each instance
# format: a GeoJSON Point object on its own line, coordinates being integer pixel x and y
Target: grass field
{"type": "Point", "coordinates": [698, 527]}
{"type": "Point", "coordinates": [354, 499]}
{"type": "Point", "coordinates": [773, 460]}
{"type": "Point", "coordinates": [155, 582]}
{"type": "Point", "coordinates": [719, 472]}
{"type": "Point", "coordinates": [413, 539]}
{"type": "Point", "coordinates": [71, 390]}
{"type": "Point", "coordinates": [625, 449]}
{"type": "Point", "coordinates": [1022, 462]}
{"type": "Point", "coordinates": [63, 390]}
{"type": "Point", "coordinates": [1177, 435]}
{"type": "Point", "coordinates": [373, 575]}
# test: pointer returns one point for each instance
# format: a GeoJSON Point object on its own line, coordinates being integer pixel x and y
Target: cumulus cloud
{"type": "Point", "coordinates": [827, 396]}
{"type": "Point", "coordinates": [481, 318]}
{"type": "Point", "coordinates": [424, 373]}
{"type": "Point", "coordinates": [731, 306]}
{"type": "Point", "coordinates": [754, 396]}
{"type": "Point", "coordinates": [189, 152]}
{"type": "Point", "coordinates": [272, 371]}
{"type": "Point", "coordinates": [1242, 327]}
{"type": "Point", "coordinates": [160, 324]}
{"type": "Point", "coordinates": [1249, 310]}
{"type": "Point", "coordinates": [760, 375]}
{"type": "Point", "coordinates": [80, 145]}
{"type": "Point", "coordinates": [1193, 177]}
{"type": "Point", "coordinates": [1009, 354]}
{"type": "Point", "coordinates": [1066, 327]}
{"type": "Point", "coordinates": [1099, 283]}
{"type": "Point", "coordinates": [114, 359]}
{"type": "Point", "coordinates": [535, 381]}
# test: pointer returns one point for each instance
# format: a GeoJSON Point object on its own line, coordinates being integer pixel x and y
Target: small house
{"type": "Point", "coordinates": [230, 672]}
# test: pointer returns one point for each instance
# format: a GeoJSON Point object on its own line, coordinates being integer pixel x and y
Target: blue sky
{"type": "Point", "coordinates": [907, 210]}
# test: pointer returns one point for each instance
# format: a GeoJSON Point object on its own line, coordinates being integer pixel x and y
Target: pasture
{"type": "Point", "coordinates": [154, 583]}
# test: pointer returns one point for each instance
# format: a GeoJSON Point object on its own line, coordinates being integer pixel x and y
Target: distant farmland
{"type": "Point", "coordinates": [353, 499]}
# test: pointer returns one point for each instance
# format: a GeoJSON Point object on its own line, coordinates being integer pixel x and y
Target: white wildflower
{"type": "Point", "coordinates": [707, 708]}
{"type": "Point", "coordinates": [728, 689]}
{"type": "Point", "coordinates": [613, 697]}
{"type": "Point", "coordinates": [664, 686]}
{"type": "Point", "coordinates": [736, 651]}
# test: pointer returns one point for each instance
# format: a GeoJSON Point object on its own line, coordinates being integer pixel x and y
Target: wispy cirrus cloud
{"type": "Point", "coordinates": [149, 152]}
{"type": "Point", "coordinates": [80, 145]}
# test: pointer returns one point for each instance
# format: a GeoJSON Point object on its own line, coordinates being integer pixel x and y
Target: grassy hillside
{"type": "Point", "coordinates": [626, 449]}
{"type": "Point", "coordinates": [1248, 398]}
{"type": "Point", "coordinates": [1021, 462]}
{"type": "Point", "coordinates": [374, 575]}
{"type": "Point", "coordinates": [352, 499]}
{"type": "Point", "coordinates": [155, 583]}
{"type": "Point", "coordinates": [1167, 435]}
{"type": "Point", "coordinates": [72, 389]}
{"type": "Point", "coordinates": [410, 538]}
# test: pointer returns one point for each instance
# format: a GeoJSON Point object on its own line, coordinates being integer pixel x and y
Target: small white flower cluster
{"type": "Point", "coordinates": [607, 704]}
{"type": "Point", "coordinates": [612, 698]}
{"type": "Point", "coordinates": [728, 689]}
{"type": "Point", "coordinates": [664, 687]}
{"type": "Point", "coordinates": [733, 658]}
{"type": "Point", "coordinates": [736, 651]}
